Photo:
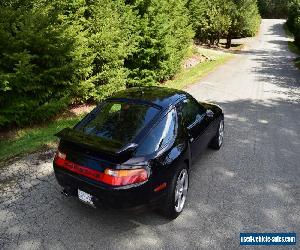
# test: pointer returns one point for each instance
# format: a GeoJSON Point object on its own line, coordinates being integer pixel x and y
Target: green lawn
{"type": "Point", "coordinates": [32, 139]}
{"type": "Point", "coordinates": [189, 76]}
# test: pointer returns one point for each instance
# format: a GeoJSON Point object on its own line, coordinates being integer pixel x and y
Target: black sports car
{"type": "Point", "coordinates": [136, 148]}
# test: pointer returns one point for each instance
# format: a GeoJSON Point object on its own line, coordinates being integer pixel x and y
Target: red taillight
{"type": "Point", "coordinates": [112, 177]}
{"type": "Point", "coordinates": [60, 158]}
{"type": "Point", "coordinates": [61, 155]}
{"type": "Point", "coordinates": [124, 176]}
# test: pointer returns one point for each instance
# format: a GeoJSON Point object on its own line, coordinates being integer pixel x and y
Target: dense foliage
{"type": "Point", "coordinates": [210, 19]}
{"type": "Point", "coordinates": [293, 21]}
{"type": "Point", "coordinates": [245, 19]}
{"type": "Point", "coordinates": [214, 19]}
{"type": "Point", "coordinates": [55, 52]}
{"type": "Point", "coordinates": [164, 38]}
{"type": "Point", "coordinates": [35, 49]}
{"type": "Point", "coordinates": [273, 8]}
{"type": "Point", "coordinates": [58, 52]}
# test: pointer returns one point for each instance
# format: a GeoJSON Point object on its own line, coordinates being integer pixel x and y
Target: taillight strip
{"type": "Point", "coordinates": [134, 176]}
{"type": "Point", "coordinates": [81, 170]}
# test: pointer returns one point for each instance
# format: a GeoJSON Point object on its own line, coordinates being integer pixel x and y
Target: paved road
{"type": "Point", "coordinates": [251, 185]}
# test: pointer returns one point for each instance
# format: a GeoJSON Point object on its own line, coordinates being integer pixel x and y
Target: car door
{"type": "Point", "coordinates": [194, 116]}
{"type": "Point", "coordinates": [210, 120]}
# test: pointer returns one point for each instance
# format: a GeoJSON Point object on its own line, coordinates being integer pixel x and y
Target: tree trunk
{"type": "Point", "coordinates": [228, 44]}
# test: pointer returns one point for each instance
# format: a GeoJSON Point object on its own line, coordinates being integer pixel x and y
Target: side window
{"type": "Point", "coordinates": [191, 109]}
{"type": "Point", "coordinates": [161, 135]}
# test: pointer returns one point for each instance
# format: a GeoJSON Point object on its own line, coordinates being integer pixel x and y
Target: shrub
{"type": "Point", "coordinates": [37, 64]}
{"type": "Point", "coordinates": [217, 19]}
{"type": "Point", "coordinates": [112, 35]}
{"type": "Point", "coordinates": [245, 19]}
{"type": "Point", "coordinates": [164, 37]}
{"type": "Point", "coordinates": [293, 21]}
{"type": "Point", "coordinates": [57, 52]}
{"type": "Point", "coordinates": [273, 8]}
{"type": "Point", "coordinates": [210, 19]}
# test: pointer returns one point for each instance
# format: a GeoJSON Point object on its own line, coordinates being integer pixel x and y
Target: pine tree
{"type": "Point", "coordinates": [164, 37]}
{"type": "Point", "coordinates": [210, 19]}
{"type": "Point", "coordinates": [245, 19]}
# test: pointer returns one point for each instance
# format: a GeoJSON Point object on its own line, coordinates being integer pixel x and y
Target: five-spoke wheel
{"type": "Point", "coordinates": [181, 190]}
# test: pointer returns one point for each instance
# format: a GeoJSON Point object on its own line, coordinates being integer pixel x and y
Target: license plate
{"type": "Point", "coordinates": [85, 197]}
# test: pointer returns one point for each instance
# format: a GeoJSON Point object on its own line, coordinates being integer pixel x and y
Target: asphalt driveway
{"type": "Point", "coordinates": [251, 185]}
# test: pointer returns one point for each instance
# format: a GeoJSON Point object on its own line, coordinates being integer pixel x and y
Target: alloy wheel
{"type": "Point", "coordinates": [221, 133]}
{"type": "Point", "coordinates": [181, 190]}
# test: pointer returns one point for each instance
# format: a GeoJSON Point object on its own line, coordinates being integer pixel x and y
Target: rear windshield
{"type": "Point", "coordinates": [119, 121]}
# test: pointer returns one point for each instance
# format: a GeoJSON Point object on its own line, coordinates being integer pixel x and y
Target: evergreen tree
{"type": "Point", "coordinates": [245, 19]}
{"type": "Point", "coordinates": [164, 37]}
{"type": "Point", "coordinates": [58, 52]}
{"type": "Point", "coordinates": [210, 19]}
{"type": "Point", "coordinates": [273, 8]}
{"type": "Point", "coordinates": [293, 21]}
{"type": "Point", "coordinates": [39, 61]}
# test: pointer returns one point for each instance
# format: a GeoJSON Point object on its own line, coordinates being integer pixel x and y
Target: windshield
{"type": "Point", "coordinates": [119, 121]}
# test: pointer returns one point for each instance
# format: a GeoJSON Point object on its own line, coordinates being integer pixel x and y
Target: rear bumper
{"type": "Point", "coordinates": [105, 195]}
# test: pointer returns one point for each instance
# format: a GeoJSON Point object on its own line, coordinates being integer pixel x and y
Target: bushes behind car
{"type": "Point", "coordinates": [54, 53]}
{"type": "Point", "coordinates": [293, 21]}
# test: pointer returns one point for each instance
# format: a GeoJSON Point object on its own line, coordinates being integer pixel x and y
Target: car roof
{"type": "Point", "coordinates": [160, 96]}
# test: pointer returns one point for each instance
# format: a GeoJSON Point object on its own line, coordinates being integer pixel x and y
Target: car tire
{"type": "Point", "coordinates": [217, 141]}
{"type": "Point", "coordinates": [176, 194]}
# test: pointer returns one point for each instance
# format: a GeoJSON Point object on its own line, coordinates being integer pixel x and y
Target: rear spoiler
{"type": "Point", "coordinates": [94, 142]}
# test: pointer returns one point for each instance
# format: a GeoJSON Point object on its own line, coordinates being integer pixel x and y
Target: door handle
{"type": "Point", "coordinates": [209, 113]}
{"type": "Point", "coordinates": [190, 137]}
